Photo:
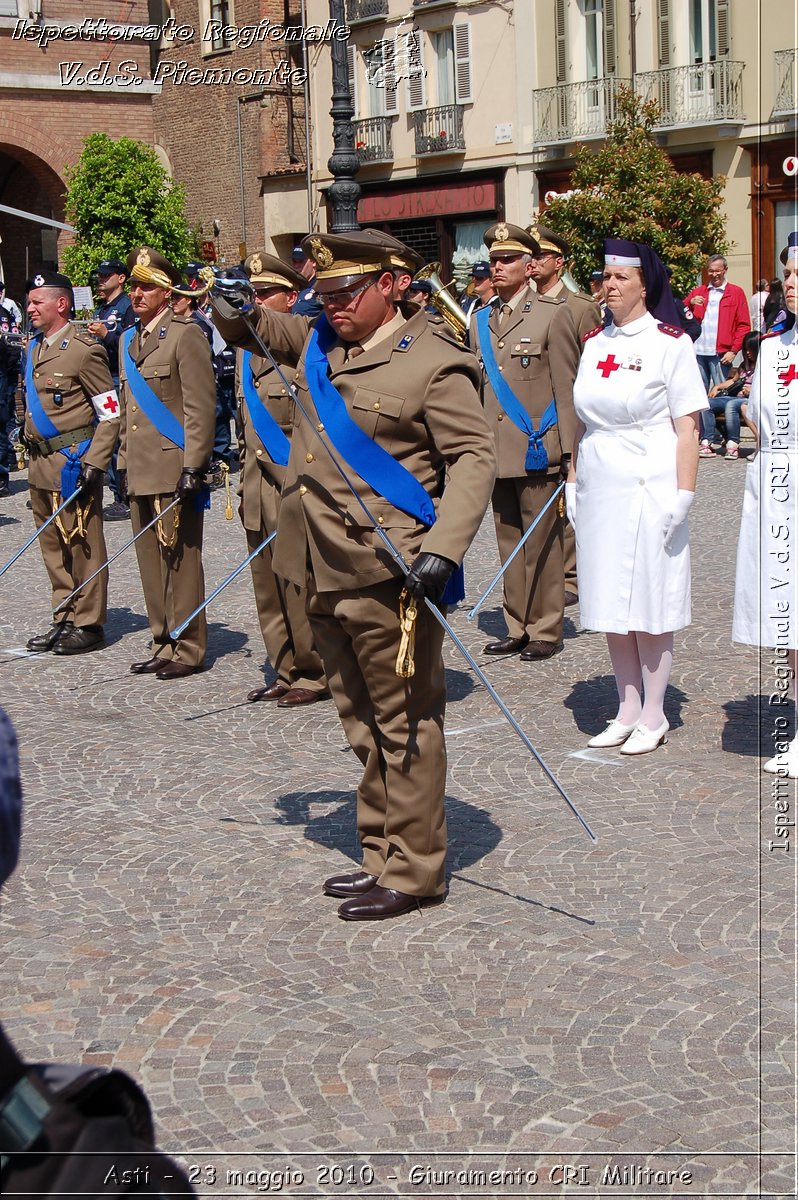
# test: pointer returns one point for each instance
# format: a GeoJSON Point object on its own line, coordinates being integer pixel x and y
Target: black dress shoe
{"type": "Point", "coordinates": [176, 670]}
{"type": "Point", "coordinates": [43, 642]}
{"type": "Point", "coordinates": [149, 667]}
{"type": "Point", "coordinates": [381, 903]}
{"type": "Point", "coordinates": [273, 692]}
{"type": "Point", "coordinates": [81, 640]}
{"type": "Point", "coordinates": [354, 884]}
{"type": "Point", "coordinates": [297, 695]}
{"type": "Point", "coordinates": [508, 645]}
{"type": "Point", "coordinates": [538, 650]}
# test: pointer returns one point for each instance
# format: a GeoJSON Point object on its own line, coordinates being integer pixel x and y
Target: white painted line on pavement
{"type": "Point", "coordinates": [594, 756]}
{"type": "Point", "coordinates": [450, 733]}
{"type": "Point", "coordinates": [20, 652]}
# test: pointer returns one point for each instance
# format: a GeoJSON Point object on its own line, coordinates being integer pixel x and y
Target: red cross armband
{"type": "Point", "coordinates": [106, 405]}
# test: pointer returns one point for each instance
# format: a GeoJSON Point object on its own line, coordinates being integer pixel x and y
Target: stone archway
{"type": "Point", "coordinates": [32, 184]}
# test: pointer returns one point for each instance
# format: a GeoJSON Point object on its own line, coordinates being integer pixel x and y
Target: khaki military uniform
{"type": "Point", "coordinates": [587, 315]}
{"type": "Point", "coordinates": [66, 376]}
{"type": "Point", "coordinates": [415, 393]}
{"type": "Point", "coordinates": [537, 351]}
{"type": "Point", "coordinates": [281, 604]}
{"type": "Point", "coordinates": [175, 361]}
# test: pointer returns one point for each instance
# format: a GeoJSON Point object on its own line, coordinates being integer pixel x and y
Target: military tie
{"type": "Point", "coordinates": [353, 351]}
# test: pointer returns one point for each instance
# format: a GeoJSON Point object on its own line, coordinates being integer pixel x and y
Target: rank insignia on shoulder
{"type": "Point", "coordinates": [671, 330]}
{"type": "Point", "coordinates": [592, 333]}
{"type": "Point", "coordinates": [162, 332]}
{"type": "Point", "coordinates": [406, 341]}
{"type": "Point", "coordinates": [64, 344]}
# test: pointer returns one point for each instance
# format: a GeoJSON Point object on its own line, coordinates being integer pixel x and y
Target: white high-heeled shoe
{"type": "Point", "coordinates": [785, 763]}
{"type": "Point", "coordinates": [644, 740]}
{"type": "Point", "coordinates": [614, 735]}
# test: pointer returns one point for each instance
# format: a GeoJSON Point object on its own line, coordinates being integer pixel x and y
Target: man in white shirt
{"type": "Point", "coordinates": [757, 305]}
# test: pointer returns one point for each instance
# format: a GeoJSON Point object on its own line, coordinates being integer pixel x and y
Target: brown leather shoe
{"type": "Point", "coordinates": [295, 696]}
{"type": "Point", "coordinates": [508, 645]}
{"type": "Point", "coordinates": [176, 670]}
{"type": "Point", "coordinates": [81, 640]}
{"type": "Point", "coordinates": [571, 598]}
{"type": "Point", "coordinates": [149, 667]}
{"type": "Point", "coordinates": [273, 692]}
{"type": "Point", "coordinates": [43, 642]}
{"type": "Point", "coordinates": [381, 903]}
{"type": "Point", "coordinates": [357, 883]}
{"type": "Point", "coordinates": [538, 650]}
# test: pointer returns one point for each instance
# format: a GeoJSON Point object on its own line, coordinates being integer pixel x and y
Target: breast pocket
{"type": "Point", "coordinates": [158, 376]}
{"type": "Point", "coordinates": [377, 414]}
{"type": "Point", "coordinates": [526, 359]}
{"type": "Point", "coordinates": [279, 404]}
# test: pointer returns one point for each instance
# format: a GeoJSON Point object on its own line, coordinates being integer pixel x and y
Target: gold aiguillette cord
{"type": "Point", "coordinates": [405, 665]}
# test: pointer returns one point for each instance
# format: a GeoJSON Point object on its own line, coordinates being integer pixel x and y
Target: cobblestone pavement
{"type": "Point", "coordinates": [608, 1010]}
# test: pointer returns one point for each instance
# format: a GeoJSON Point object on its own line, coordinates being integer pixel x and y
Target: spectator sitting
{"type": "Point", "coordinates": [774, 313]}
{"type": "Point", "coordinates": [729, 398]}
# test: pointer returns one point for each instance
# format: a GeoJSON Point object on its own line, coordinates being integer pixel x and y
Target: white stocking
{"type": "Point", "coordinates": [628, 675]}
{"type": "Point", "coordinates": [656, 660]}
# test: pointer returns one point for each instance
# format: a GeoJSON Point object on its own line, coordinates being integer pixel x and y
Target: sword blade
{"type": "Point", "coordinates": [175, 633]}
{"type": "Point", "coordinates": [39, 531]}
{"type": "Point", "coordinates": [116, 554]}
{"type": "Point", "coordinates": [398, 557]}
{"type": "Point", "coordinates": [472, 612]}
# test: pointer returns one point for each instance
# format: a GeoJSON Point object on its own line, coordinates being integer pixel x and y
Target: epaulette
{"type": "Point", "coordinates": [591, 333]}
{"type": "Point", "coordinates": [441, 328]}
{"type": "Point", "coordinates": [549, 299]}
{"type": "Point", "coordinates": [582, 296]}
{"type": "Point", "coordinates": [85, 338]}
{"type": "Point", "coordinates": [671, 330]}
{"type": "Point", "coordinates": [770, 333]}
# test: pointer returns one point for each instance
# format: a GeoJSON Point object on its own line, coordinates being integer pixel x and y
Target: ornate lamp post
{"type": "Point", "coordinates": [344, 162]}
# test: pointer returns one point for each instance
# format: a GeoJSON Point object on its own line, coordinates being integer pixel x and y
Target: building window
{"type": "Point", "coordinates": [8, 8]}
{"type": "Point", "coordinates": [215, 15]}
{"type": "Point", "coordinates": [443, 45]}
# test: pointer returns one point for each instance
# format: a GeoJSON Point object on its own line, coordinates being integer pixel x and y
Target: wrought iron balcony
{"type": "Point", "coordinates": [705, 94]}
{"type": "Point", "coordinates": [573, 111]}
{"type": "Point", "coordinates": [439, 130]}
{"type": "Point", "coordinates": [366, 10]}
{"type": "Point", "coordinates": [786, 89]}
{"type": "Point", "coordinates": [373, 139]}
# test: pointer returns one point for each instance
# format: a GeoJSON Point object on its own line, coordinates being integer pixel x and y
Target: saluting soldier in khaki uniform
{"type": "Point", "coordinates": [71, 428]}
{"type": "Point", "coordinates": [170, 358]}
{"type": "Point", "coordinates": [281, 605]}
{"type": "Point", "coordinates": [537, 353]}
{"type": "Point", "coordinates": [547, 271]}
{"type": "Point", "coordinates": [413, 392]}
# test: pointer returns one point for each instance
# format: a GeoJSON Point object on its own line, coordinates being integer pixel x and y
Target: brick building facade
{"type": "Point", "coordinates": [55, 89]}
{"type": "Point", "coordinates": [230, 116]}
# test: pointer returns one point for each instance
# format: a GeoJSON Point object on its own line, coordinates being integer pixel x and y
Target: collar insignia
{"type": "Point", "coordinates": [64, 344]}
{"type": "Point", "coordinates": [162, 332]}
{"type": "Point", "coordinates": [404, 344]}
{"type": "Point", "coordinates": [527, 306]}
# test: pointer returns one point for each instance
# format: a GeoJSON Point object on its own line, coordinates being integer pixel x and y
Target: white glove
{"type": "Point", "coordinates": [570, 503]}
{"type": "Point", "coordinates": [677, 516]}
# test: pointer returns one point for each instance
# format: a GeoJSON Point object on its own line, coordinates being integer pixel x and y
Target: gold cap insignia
{"type": "Point", "coordinates": [532, 230]}
{"type": "Point", "coordinates": [321, 254]}
{"type": "Point", "coordinates": [143, 257]}
{"type": "Point", "coordinates": [256, 265]}
{"type": "Point", "coordinates": [502, 233]}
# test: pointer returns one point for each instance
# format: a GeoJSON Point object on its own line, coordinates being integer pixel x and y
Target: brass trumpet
{"type": "Point", "coordinates": [445, 303]}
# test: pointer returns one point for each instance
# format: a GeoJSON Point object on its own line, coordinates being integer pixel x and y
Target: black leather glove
{"type": "Point", "coordinates": [190, 482]}
{"type": "Point", "coordinates": [121, 476]}
{"type": "Point", "coordinates": [89, 475]}
{"type": "Point", "coordinates": [565, 466]}
{"type": "Point", "coordinates": [428, 576]}
{"type": "Point", "coordinates": [233, 295]}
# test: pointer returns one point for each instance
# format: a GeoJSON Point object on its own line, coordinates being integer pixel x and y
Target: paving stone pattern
{"type": "Point", "coordinates": [606, 1009]}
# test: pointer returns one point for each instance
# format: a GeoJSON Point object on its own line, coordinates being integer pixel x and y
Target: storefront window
{"type": "Point", "coordinates": [468, 249]}
{"type": "Point", "coordinates": [786, 221]}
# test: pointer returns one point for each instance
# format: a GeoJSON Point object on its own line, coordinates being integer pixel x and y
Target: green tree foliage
{"type": "Point", "coordinates": [630, 189]}
{"type": "Point", "coordinates": [118, 197]}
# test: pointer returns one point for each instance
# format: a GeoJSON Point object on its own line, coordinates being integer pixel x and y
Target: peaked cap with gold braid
{"type": "Point", "coordinates": [344, 257]}
{"type": "Point", "coordinates": [270, 271]}
{"type": "Point", "coordinates": [510, 238]}
{"type": "Point", "coordinates": [146, 265]}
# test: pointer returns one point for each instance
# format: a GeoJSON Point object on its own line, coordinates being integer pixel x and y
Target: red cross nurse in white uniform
{"type": "Point", "coordinates": [766, 591]}
{"type": "Point", "coordinates": [631, 484]}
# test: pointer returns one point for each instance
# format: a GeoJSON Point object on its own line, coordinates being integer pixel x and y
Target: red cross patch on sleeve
{"type": "Point", "coordinates": [106, 405]}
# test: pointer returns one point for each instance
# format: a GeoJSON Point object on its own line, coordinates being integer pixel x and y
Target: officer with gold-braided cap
{"type": "Point", "coordinates": [398, 402]}
{"type": "Point", "coordinates": [529, 350]}
{"type": "Point", "coordinates": [169, 409]}
{"type": "Point", "coordinates": [265, 425]}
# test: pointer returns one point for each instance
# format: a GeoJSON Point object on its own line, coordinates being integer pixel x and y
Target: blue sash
{"type": "Point", "coordinates": [46, 429]}
{"type": "Point", "coordinates": [275, 442]}
{"type": "Point", "coordinates": [156, 411]}
{"type": "Point", "coordinates": [379, 469]}
{"type": "Point", "coordinates": [536, 457]}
